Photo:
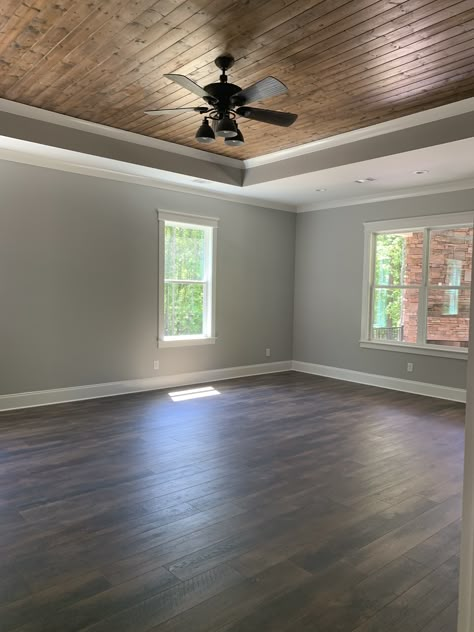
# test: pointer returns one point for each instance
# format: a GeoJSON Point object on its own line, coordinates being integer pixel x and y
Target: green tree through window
{"type": "Point", "coordinates": [389, 270]}
{"type": "Point", "coordinates": [185, 281]}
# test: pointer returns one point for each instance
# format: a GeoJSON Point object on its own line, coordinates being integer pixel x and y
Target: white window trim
{"type": "Point", "coordinates": [447, 220]}
{"type": "Point", "coordinates": [190, 220]}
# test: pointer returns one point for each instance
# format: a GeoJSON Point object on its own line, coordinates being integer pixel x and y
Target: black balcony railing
{"type": "Point", "coordinates": [387, 333]}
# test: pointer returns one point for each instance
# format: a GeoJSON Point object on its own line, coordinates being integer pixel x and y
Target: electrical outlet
{"type": "Point", "coordinates": [410, 367]}
{"type": "Point", "coordinates": [156, 365]}
{"type": "Point", "coordinates": [268, 352]}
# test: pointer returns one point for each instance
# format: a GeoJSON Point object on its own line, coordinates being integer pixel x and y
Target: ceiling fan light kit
{"type": "Point", "coordinates": [205, 133]}
{"type": "Point", "coordinates": [235, 141]}
{"type": "Point", "coordinates": [226, 101]}
{"type": "Point", "coordinates": [226, 128]}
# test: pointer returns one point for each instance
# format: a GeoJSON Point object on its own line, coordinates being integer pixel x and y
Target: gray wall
{"type": "Point", "coordinates": [78, 281]}
{"type": "Point", "coordinates": [328, 290]}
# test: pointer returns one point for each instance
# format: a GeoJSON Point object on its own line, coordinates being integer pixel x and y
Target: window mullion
{"type": "Point", "coordinates": [205, 294]}
{"type": "Point", "coordinates": [449, 287]}
{"type": "Point", "coordinates": [423, 292]}
{"type": "Point", "coordinates": [370, 298]}
{"type": "Point", "coordinates": [398, 287]}
{"type": "Point", "coordinates": [185, 281]}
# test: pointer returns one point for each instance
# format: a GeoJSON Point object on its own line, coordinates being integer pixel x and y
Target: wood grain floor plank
{"type": "Point", "coordinates": [413, 610]}
{"type": "Point", "coordinates": [169, 603]}
{"type": "Point", "coordinates": [234, 603]}
{"type": "Point", "coordinates": [445, 621]}
{"type": "Point", "coordinates": [282, 613]}
{"type": "Point", "coordinates": [288, 502]}
{"type": "Point", "coordinates": [107, 603]}
{"type": "Point", "coordinates": [438, 549]}
{"type": "Point", "coordinates": [364, 600]}
{"type": "Point", "coordinates": [42, 606]}
{"type": "Point", "coordinates": [390, 546]}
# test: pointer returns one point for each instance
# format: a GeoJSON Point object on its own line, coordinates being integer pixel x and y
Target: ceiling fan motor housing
{"type": "Point", "coordinates": [221, 94]}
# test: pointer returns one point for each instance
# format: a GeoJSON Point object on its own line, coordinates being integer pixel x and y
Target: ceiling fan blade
{"type": "Point", "coordinates": [263, 89]}
{"type": "Point", "coordinates": [189, 84]}
{"type": "Point", "coordinates": [202, 110]}
{"type": "Point", "coordinates": [283, 119]}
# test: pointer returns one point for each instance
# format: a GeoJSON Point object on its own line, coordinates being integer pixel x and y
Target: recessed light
{"type": "Point", "coordinates": [420, 172]}
{"type": "Point", "coordinates": [362, 180]}
{"type": "Point", "coordinates": [319, 190]}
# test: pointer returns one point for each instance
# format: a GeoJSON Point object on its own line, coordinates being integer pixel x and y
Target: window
{"type": "Point", "coordinates": [187, 279]}
{"type": "Point", "coordinates": [417, 284]}
{"type": "Point", "coordinates": [451, 306]}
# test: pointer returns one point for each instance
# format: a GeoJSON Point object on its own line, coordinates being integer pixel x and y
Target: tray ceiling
{"type": "Point", "coordinates": [348, 64]}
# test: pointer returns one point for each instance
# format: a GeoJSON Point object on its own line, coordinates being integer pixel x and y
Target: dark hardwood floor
{"type": "Point", "coordinates": [282, 503]}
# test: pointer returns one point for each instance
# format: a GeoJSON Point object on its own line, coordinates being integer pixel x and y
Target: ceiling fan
{"type": "Point", "coordinates": [226, 101]}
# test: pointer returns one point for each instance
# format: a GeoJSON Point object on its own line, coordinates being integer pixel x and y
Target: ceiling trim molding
{"type": "Point", "coordinates": [395, 125]}
{"type": "Point", "coordinates": [37, 160]}
{"type": "Point", "coordinates": [20, 109]}
{"type": "Point", "coordinates": [404, 122]}
{"type": "Point", "coordinates": [104, 168]}
{"type": "Point", "coordinates": [72, 164]}
{"type": "Point", "coordinates": [443, 187]}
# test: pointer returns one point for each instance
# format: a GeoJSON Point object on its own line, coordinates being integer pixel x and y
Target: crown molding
{"type": "Point", "coordinates": [104, 168]}
{"type": "Point", "coordinates": [404, 122]}
{"type": "Point", "coordinates": [118, 170]}
{"type": "Point", "coordinates": [395, 125]}
{"type": "Point", "coordinates": [20, 109]}
{"type": "Point", "coordinates": [443, 187]}
{"type": "Point", "coordinates": [69, 161]}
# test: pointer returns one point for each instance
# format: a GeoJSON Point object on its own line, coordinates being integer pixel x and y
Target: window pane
{"type": "Point", "coordinates": [450, 260]}
{"type": "Point", "coordinates": [184, 309]}
{"type": "Point", "coordinates": [399, 258]}
{"type": "Point", "coordinates": [184, 253]}
{"type": "Point", "coordinates": [448, 317]}
{"type": "Point", "coordinates": [394, 315]}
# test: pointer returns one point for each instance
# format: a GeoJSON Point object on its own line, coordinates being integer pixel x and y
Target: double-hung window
{"type": "Point", "coordinates": [417, 284]}
{"type": "Point", "coordinates": [187, 246]}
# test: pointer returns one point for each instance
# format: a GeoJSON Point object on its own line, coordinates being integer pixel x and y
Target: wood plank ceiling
{"type": "Point", "coordinates": [348, 63]}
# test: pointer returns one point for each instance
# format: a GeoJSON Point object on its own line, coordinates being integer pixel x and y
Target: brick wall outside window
{"type": "Point", "coordinates": [445, 329]}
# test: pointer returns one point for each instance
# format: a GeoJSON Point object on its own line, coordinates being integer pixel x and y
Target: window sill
{"type": "Point", "coordinates": [184, 341]}
{"type": "Point", "coordinates": [442, 352]}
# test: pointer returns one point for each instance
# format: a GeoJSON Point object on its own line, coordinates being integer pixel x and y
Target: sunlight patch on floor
{"type": "Point", "coordinates": [193, 393]}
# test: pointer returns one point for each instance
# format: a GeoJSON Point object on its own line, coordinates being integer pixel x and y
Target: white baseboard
{"type": "Point", "coordinates": [392, 383]}
{"type": "Point", "coordinates": [93, 391]}
{"type": "Point", "coordinates": [108, 389]}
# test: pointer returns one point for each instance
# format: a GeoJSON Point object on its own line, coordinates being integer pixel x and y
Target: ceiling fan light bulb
{"type": "Point", "coordinates": [205, 133]}
{"type": "Point", "coordinates": [233, 142]}
{"type": "Point", "coordinates": [236, 140]}
{"type": "Point", "coordinates": [205, 140]}
{"type": "Point", "coordinates": [226, 128]}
